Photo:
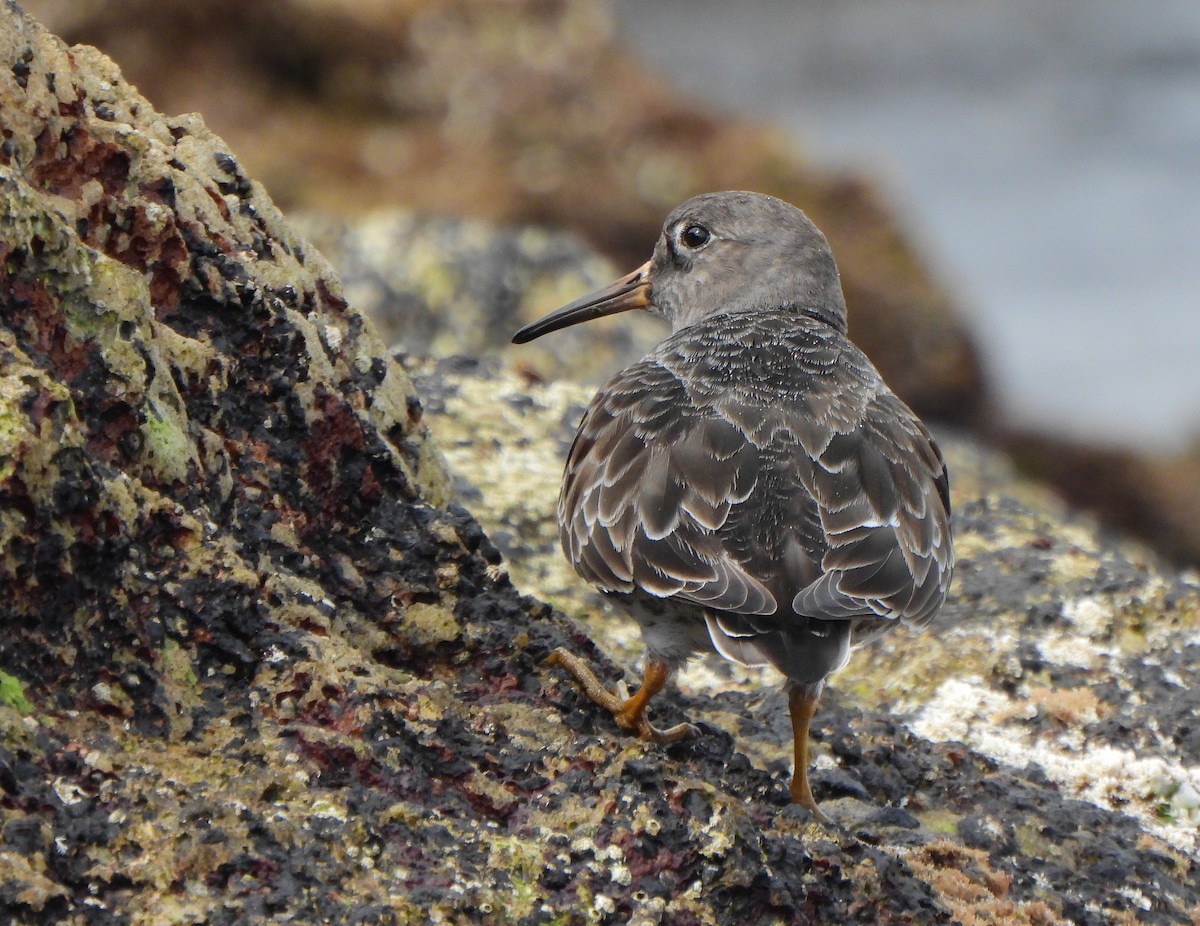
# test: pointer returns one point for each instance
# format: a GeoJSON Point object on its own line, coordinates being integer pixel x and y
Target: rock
{"type": "Point", "coordinates": [454, 287]}
{"type": "Point", "coordinates": [259, 665]}
{"type": "Point", "coordinates": [519, 112]}
{"type": "Point", "coordinates": [1154, 496]}
{"type": "Point", "coordinates": [1040, 729]}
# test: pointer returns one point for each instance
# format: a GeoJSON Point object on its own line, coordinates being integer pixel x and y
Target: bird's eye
{"type": "Point", "coordinates": [694, 236]}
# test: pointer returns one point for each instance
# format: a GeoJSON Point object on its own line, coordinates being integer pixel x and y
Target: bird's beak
{"type": "Point", "coordinates": [632, 291]}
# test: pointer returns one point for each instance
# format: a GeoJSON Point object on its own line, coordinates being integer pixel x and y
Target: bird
{"type": "Point", "coordinates": [751, 486]}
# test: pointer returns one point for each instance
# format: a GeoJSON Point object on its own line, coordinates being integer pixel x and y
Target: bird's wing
{"type": "Point", "coordinates": [750, 490]}
{"type": "Point", "coordinates": [884, 499]}
{"type": "Point", "coordinates": [650, 483]}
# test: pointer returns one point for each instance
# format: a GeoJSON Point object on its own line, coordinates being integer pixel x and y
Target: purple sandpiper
{"type": "Point", "coordinates": [751, 485]}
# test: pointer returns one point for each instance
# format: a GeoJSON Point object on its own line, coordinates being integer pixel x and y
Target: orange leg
{"type": "Point", "coordinates": [801, 705]}
{"type": "Point", "coordinates": [629, 712]}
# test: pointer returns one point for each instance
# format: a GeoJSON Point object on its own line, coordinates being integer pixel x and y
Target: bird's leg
{"type": "Point", "coordinates": [802, 702]}
{"type": "Point", "coordinates": [629, 712]}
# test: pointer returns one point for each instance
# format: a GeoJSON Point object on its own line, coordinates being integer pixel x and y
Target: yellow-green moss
{"type": "Point", "coordinates": [431, 624]}
{"type": "Point", "coordinates": [166, 447]}
{"type": "Point", "coordinates": [13, 695]}
{"type": "Point", "coordinates": [940, 821]}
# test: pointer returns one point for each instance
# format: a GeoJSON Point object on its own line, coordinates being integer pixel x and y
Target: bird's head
{"type": "Point", "coordinates": [721, 252]}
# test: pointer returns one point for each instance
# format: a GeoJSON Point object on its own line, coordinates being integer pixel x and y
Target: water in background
{"type": "Point", "coordinates": [1046, 151]}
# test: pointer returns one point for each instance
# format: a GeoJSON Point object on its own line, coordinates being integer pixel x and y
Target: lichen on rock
{"type": "Point", "coordinates": [259, 665]}
{"type": "Point", "coordinates": [1010, 718]}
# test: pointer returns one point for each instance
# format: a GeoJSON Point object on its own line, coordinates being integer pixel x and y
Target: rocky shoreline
{"type": "Point", "coordinates": [260, 662]}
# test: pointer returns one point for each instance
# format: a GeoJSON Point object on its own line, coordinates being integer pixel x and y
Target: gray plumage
{"type": "Point", "coordinates": [752, 482]}
{"type": "Point", "coordinates": [755, 464]}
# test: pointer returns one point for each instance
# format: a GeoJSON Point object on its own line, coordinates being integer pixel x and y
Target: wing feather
{"type": "Point", "coordinates": [889, 554]}
{"type": "Point", "coordinates": [776, 485]}
{"type": "Point", "coordinates": [650, 484]}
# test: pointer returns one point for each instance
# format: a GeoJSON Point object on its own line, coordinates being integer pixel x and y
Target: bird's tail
{"type": "Point", "coordinates": [804, 649]}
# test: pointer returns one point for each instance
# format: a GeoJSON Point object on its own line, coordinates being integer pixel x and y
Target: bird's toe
{"type": "Point", "coordinates": [675, 734]}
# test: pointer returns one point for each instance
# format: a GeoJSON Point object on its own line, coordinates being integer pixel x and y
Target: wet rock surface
{"type": "Point", "coordinates": [258, 662]}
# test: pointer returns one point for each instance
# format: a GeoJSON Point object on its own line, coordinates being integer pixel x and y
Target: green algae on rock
{"type": "Point", "coordinates": [12, 695]}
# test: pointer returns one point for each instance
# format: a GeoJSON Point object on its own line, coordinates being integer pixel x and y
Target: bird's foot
{"type": "Point", "coordinates": [802, 795]}
{"type": "Point", "coordinates": [629, 711]}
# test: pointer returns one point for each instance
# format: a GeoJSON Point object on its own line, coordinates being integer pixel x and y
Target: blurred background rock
{"type": "Point", "coordinates": [421, 140]}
